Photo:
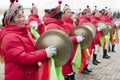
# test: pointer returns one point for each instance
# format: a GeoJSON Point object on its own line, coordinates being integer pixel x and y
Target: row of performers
{"type": "Point", "coordinates": [66, 22]}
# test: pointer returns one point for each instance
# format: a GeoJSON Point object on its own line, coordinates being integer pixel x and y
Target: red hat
{"type": "Point", "coordinates": [13, 7]}
{"type": "Point", "coordinates": [56, 10]}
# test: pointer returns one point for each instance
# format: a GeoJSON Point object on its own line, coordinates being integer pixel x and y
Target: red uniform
{"type": "Point", "coordinates": [69, 25]}
{"type": "Point", "coordinates": [83, 19]}
{"type": "Point", "coordinates": [94, 21]}
{"type": "Point", "coordinates": [45, 17]}
{"type": "Point", "coordinates": [52, 23]}
{"type": "Point", "coordinates": [107, 19]}
{"type": "Point", "coordinates": [35, 17]}
{"type": "Point", "coordinates": [68, 22]}
{"type": "Point", "coordinates": [18, 50]}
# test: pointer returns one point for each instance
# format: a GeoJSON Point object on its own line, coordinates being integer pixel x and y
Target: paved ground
{"type": "Point", "coordinates": [108, 69]}
{"type": "Point", "coordinates": [1, 71]}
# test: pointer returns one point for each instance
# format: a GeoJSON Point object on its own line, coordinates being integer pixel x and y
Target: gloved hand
{"type": "Point", "coordinates": [34, 25]}
{"type": "Point", "coordinates": [99, 28]}
{"type": "Point", "coordinates": [80, 38]}
{"type": "Point", "coordinates": [51, 51]}
{"type": "Point", "coordinates": [117, 25]}
{"type": "Point", "coordinates": [96, 49]}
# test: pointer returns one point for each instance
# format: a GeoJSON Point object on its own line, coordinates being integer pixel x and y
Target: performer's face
{"type": "Point", "coordinates": [97, 13]}
{"type": "Point", "coordinates": [109, 14]}
{"type": "Point", "coordinates": [88, 13]}
{"type": "Point", "coordinates": [19, 18]}
{"type": "Point", "coordinates": [35, 11]}
{"type": "Point", "coordinates": [69, 13]}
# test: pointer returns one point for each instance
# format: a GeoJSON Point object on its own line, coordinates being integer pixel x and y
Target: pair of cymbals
{"type": "Point", "coordinates": [111, 28]}
{"type": "Point", "coordinates": [91, 27]}
{"type": "Point", "coordinates": [117, 23]}
{"type": "Point", "coordinates": [61, 41]}
{"type": "Point", "coordinates": [104, 26]}
{"type": "Point", "coordinates": [86, 33]}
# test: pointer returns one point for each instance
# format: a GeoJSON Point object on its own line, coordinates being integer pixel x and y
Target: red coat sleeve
{"type": "Point", "coordinates": [14, 50]}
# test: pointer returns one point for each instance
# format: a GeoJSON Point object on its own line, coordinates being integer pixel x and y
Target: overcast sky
{"type": "Point", "coordinates": [74, 4]}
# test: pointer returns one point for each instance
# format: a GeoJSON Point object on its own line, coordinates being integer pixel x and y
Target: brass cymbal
{"type": "Point", "coordinates": [61, 41]}
{"type": "Point", "coordinates": [116, 22]}
{"type": "Point", "coordinates": [105, 29]}
{"type": "Point", "coordinates": [91, 27]}
{"type": "Point", "coordinates": [85, 32]}
{"type": "Point", "coordinates": [111, 28]}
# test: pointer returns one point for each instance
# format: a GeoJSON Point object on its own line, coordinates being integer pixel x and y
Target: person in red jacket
{"type": "Point", "coordinates": [18, 47]}
{"type": "Point", "coordinates": [94, 20]}
{"type": "Point", "coordinates": [110, 20]}
{"type": "Point", "coordinates": [46, 15]}
{"type": "Point", "coordinates": [54, 22]}
{"type": "Point", "coordinates": [68, 22]}
{"type": "Point", "coordinates": [85, 17]}
{"type": "Point", "coordinates": [67, 18]}
{"type": "Point", "coordinates": [34, 17]}
{"type": "Point", "coordinates": [105, 19]}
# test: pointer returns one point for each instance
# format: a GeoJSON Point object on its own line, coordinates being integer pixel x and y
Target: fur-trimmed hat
{"type": "Point", "coordinates": [33, 6]}
{"type": "Point", "coordinates": [14, 6]}
{"type": "Point", "coordinates": [86, 10]}
{"type": "Point", "coordinates": [66, 7]}
{"type": "Point", "coordinates": [94, 11]}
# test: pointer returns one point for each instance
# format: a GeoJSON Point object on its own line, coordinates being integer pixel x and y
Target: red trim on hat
{"type": "Point", "coordinates": [12, 1]}
{"type": "Point", "coordinates": [59, 2]}
{"type": "Point", "coordinates": [16, 0]}
{"type": "Point", "coordinates": [53, 13]}
{"type": "Point", "coordinates": [9, 14]}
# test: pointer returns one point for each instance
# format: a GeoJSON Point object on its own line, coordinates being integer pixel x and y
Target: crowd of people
{"type": "Point", "coordinates": [116, 14]}
{"type": "Point", "coordinates": [18, 37]}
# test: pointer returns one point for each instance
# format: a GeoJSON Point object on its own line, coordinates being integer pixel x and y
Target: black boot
{"type": "Point", "coordinates": [94, 59]}
{"type": "Point", "coordinates": [70, 77]}
{"type": "Point", "coordinates": [113, 46]}
{"type": "Point", "coordinates": [98, 61]}
{"type": "Point", "coordinates": [109, 48]}
{"type": "Point", "coordinates": [105, 54]}
{"type": "Point", "coordinates": [88, 69]}
{"type": "Point", "coordinates": [85, 71]}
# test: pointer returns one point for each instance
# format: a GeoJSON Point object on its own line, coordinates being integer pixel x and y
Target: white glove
{"type": "Point", "coordinates": [99, 28]}
{"type": "Point", "coordinates": [34, 25]}
{"type": "Point", "coordinates": [80, 38]}
{"type": "Point", "coordinates": [117, 24]}
{"type": "Point", "coordinates": [51, 51]}
{"type": "Point", "coordinates": [96, 49]}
